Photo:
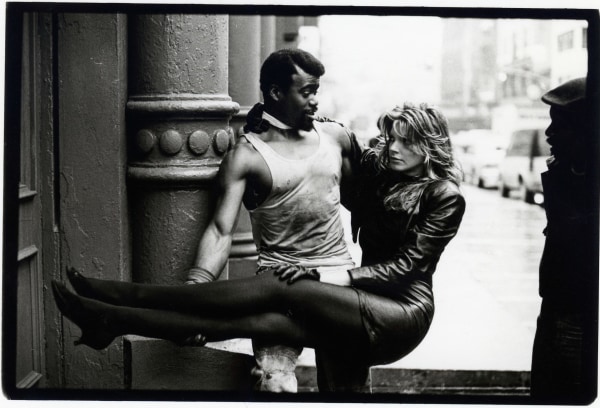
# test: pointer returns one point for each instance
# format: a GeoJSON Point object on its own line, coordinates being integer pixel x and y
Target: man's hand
{"type": "Point", "coordinates": [294, 273]}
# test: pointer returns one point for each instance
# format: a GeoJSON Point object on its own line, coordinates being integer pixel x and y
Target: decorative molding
{"type": "Point", "coordinates": [221, 141]}
{"type": "Point", "coordinates": [183, 105]}
{"type": "Point", "coordinates": [170, 142]}
{"type": "Point", "coordinates": [199, 142]}
{"type": "Point", "coordinates": [145, 140]}
{"type": "Point", "coordinates": [205, 171]}
{"type": "Point", "coordinates": [242, 112]}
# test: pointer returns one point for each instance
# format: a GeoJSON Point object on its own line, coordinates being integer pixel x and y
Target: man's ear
{"type": "Point", "coordinates": [275, 93]}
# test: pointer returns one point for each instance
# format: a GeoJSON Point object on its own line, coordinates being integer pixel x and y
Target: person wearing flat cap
{"type": "Point", "coordinates": [564, 362]}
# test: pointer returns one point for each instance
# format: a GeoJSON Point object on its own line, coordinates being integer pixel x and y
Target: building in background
{"type": "Point", "coordinates": [495, 71]}
{"type": "Point", "coordinates": [568, 57]}
{"type": "Point", "coordinates": [524, 63]}
{"type": "Point", "coordinates": [468, 86]}
{"type": "Point", "coordinates": [374, 63]}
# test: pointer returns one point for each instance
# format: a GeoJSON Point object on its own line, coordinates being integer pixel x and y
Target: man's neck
{"type": "Point", "coordinates": [275, 122]}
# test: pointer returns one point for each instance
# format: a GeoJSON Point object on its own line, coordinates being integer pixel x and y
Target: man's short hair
{"type": "Point", "coordinates": [279, 67]}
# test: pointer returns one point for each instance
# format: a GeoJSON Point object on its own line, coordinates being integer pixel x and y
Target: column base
{"type": "Point", "coordinates": [159, 365]}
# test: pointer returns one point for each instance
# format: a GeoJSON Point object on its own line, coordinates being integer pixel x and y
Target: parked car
{"type": "Point", "coordinates": [481, 163]}
{"type": "Point", "coordinates": [479, 153]}
{"type": "Point", "coordinates": [523, 164]}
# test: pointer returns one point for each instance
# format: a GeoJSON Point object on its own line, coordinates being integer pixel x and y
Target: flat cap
{"type": "Point", "coordinates": [568, 96]}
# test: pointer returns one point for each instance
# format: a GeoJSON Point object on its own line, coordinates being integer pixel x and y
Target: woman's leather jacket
{"type": "Point", "coordinates": [400, 247]}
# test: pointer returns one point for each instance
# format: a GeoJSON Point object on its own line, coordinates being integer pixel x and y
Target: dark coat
{"type": "Point", "coordinates": [569, 264]}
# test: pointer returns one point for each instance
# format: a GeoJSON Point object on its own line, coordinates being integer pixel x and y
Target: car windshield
{"type": "Point", "coordinates": [521, 143]}
{"type": "Point", "coordinates": [529, 142]}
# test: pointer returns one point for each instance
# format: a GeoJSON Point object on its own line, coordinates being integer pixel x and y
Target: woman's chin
{"type": "Point", "coordinates": [396, 167]}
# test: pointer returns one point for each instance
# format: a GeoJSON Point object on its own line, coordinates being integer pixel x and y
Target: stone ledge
{"type": "Point", "coordinates": [434, 382]}
{"type": "Point", "coordinates": [153, 364]}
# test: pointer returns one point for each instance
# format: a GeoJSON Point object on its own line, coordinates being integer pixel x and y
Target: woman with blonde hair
{"type": "Point", "coordinates": [407, 210]}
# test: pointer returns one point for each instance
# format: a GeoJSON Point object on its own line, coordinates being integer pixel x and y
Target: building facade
{"type": "Point", "coordinates": [468, 87]}
{"type": "Point", "coordinates": [569, 51]}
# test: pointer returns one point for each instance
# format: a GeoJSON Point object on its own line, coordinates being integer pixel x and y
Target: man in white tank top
{"type": "Point", "coordinates": [288, 177]}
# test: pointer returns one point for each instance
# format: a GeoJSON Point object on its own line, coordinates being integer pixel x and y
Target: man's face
{"type": "Point", "coordinates": [298, 104]}
{"type": "Point", "coordinates": [561, 132]}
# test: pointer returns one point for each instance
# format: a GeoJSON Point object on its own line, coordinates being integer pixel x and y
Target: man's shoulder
{"type": "Point", "coordinates": [330, 125]}
{"type": "Point", "coordinates": [334, 129]}
{"type": "Point", "coordinates": [242, 157]}
{"type": "Point", "coordinates": [242, 148]}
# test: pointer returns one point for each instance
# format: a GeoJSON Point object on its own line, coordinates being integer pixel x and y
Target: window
{"type": "Point", "coordinates": [584, 37]}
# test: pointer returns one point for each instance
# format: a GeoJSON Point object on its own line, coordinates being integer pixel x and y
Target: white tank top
{"type": "Point", "coordinates": [299, 222]}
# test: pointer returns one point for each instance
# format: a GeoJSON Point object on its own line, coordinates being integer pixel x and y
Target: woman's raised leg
{"type": "Point", "coordinates": [100, 322]}
{"type": "Point", "coordinates": [329, 304]}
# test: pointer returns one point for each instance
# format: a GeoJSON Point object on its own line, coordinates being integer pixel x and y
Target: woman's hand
{"type": "Point", "coordinates": [294, 273]}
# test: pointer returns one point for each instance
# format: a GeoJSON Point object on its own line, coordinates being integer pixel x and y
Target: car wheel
{"type": "Point", "coordinates": [480, 183]}
{"type": "Point", "coordinates": [525, 193]}
{"type": "Point", "coordinates": [504, 191]}
{"type": "Point", "coordinates": [528, 196]}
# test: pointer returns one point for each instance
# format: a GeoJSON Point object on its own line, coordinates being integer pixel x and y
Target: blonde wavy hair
{"type": "Point", "coordinates": [427, 135]}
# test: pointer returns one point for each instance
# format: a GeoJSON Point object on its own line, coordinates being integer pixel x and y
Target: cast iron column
{"type": "Point", "coordinates": [244, 64]}
{"type": "Point", "coordinates": [178, 118]}
{"type": "Point", "coordinates": [244, 70]}
{"type": "Point", "coordinates": [267, 36]}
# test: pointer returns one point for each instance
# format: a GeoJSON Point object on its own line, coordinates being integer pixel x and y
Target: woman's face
{"type": "Point", "coordinates": [401, 156]}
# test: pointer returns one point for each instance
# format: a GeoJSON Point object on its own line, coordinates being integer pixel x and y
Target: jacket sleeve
{"type": "Point", "coordinates": [351, 170]}
{"type": "Point", "coordinates": [440, 216]}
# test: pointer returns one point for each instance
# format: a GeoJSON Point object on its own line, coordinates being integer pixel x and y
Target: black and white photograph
{"type": "Point", "coordinates": [301, 203]}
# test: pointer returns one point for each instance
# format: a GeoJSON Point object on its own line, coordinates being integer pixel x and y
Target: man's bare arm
{"type": "Point", "coordinates": [215, 244]}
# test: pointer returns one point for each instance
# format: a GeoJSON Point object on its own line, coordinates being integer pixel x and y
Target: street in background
{"type": "Point", "coordinates": [521, 168]}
